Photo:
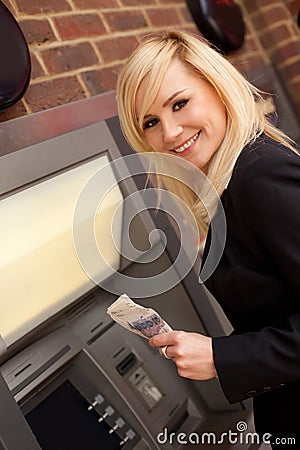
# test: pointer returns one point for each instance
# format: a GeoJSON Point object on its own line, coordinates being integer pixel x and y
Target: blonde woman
{"type": "Point", "coordinates": [178, 96]}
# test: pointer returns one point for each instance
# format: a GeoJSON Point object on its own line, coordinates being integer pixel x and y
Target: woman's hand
{"type": "Point", "coordinates": [191, 352]}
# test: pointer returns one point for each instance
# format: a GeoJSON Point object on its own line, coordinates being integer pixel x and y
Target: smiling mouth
{"type": "Point", "coordinates": [183, 147]}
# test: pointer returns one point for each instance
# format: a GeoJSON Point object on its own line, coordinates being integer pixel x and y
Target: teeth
{"type": "Point", "coordinates": [187, 144]}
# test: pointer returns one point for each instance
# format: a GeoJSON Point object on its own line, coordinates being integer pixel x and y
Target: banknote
{"type": "Point", "coordinates": [145, 322]}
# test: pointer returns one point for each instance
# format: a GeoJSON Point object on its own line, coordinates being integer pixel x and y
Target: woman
{"type": "Point", "coordinates": [178, 96]}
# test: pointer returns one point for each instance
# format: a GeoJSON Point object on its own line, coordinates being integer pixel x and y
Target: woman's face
{"type": "Point", "coordinates": [187, 117]}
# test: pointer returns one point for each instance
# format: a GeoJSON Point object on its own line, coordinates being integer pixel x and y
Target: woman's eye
{"type": "Point", "coordinates": [179, 105]}
{"type": "Point", "coordinates": [149, 123]}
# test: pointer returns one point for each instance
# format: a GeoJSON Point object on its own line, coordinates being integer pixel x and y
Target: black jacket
{"type": "Point", "coordinates": [257, 282]}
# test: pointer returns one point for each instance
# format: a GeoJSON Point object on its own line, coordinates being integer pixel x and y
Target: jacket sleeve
{"type": "Point", "coordinates": [269, 201]}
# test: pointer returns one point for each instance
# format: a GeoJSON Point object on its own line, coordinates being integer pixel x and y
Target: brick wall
{"type": "Point", "coordinates": [274, 24]}
{"type": "Point", "coordinates": [78, 46]}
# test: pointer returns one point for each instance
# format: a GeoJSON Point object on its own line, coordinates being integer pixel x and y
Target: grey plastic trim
{"type": "Point", "coordinates": [3, 347]}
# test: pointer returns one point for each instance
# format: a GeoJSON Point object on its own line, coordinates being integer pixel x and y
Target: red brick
{"type": "Point", "coordinates": [163, 17]}
{"type": "Point", "coordinates": [250, 44]}
{"type": "Point", "coordinates": [255, 5]}
{"type": "Point", "coordinates": [186, 14]}
{"type": "Point", "coordinates": [274, 36]}
{"type": "Point", "coordinates": [293, 88]}
{"type": "Point", "coordinates": [78, 25]}
{"type": "Point", "coordinates": [125, 20]}
{"type": "Point", "coordinates": [42, 6]}
{"type": "Point", "coordinates": [163, 2]}
{"type": "Point", "coordinates": [95, 4]}
{"type": "Point", "coordinates": [117, 48]}
{"type": "Point", "coordinates": [9, 6]}
{"type": "Point", "coordinates": [17, 110]}
{"type": "Point", "coordinates": [276, 14]}
{"type": "Point", "coordinates": [37, 31]}
{"type": "Point", "coordinates": [36, 69]}
{"type": "Point", "coordinates": [138, 2]}
{"type": "Point", "coordinates": [291, 70]}
{"type": "Point", "coordinates": [52, 93]}
{"type": "Point", "coordinates": [66, 58]}
{"type": "Point", "coordinates": [250, 5]}
{"type": "Point", "coordinates": [258, 21]}
{"type": "Point", "coordinates": [263, 19]}
{"type": "Point", "coordinates": [99, 81]}
{"type": "Point", "coordinates": [285, 52]}
{"type": "Point", "coordinates": [295, 84]}
{"type": "Point", "coordinates": [294, 7]}
{"type": "Point", "coordinates": [262, 3]}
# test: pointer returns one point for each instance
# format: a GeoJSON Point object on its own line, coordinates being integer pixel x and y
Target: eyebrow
{"type": "Point", "coordinates": [172, 97]}
{"type": "Point", "coordinates": [168, 101]}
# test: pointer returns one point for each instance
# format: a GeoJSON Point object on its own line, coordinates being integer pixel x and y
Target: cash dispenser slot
{"type": "Point", "coordinates": [32, 376]}
{"type": "Point", "coordinates": [103, 329]}
{"type": "Point", "coordinates": [124, 366]}
{"type": "Point", "coordinates": [180, 416]}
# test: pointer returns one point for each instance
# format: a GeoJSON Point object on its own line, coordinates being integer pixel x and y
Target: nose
{"type": "Point", "coordinates": [171, 130]}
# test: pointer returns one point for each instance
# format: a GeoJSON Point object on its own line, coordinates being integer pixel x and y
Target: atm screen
{"type": "Point", "coordinates": [40, 270]}
{"type": "Point", "coordinates": [62, 422]}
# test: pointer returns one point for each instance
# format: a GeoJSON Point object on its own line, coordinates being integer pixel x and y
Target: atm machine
{"type": "Point", "coordinates": [71, 378]}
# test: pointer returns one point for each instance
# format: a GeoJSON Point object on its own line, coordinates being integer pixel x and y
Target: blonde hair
{"type": "Point", "coordinates": [244, 104]}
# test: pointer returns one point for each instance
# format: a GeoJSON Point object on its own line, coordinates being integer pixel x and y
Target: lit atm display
{"type": "Point", "coordinates": [38, 250]}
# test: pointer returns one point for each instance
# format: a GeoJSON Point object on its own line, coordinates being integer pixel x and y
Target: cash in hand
{"type": "Point", "coordinates": [145, 322]}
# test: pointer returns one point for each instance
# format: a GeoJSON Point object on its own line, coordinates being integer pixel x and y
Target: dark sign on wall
{"type": "Point", "coordinates": [220, 22]}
